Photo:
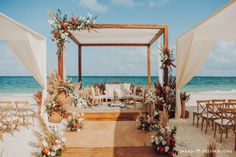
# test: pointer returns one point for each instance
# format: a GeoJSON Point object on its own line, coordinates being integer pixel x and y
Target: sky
{"type": "Point", "coordinates": [180, 15]}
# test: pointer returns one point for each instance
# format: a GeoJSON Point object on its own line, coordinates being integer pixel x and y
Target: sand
{"type": "Point", "coordinates": [189, 138]}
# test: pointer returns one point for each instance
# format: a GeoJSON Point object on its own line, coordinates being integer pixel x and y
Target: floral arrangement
{"type": "Point", "coordinates": [62, 93]}
{"type": "Point", "coordinates": [144, 122]}
{"type": "Point", "coordinates": [75, 122]}
{"type": "Point", "coordinates": [150, 97]}
{"type": "Point", "coordinates": [160, 92]}
{"type": "Point", "coordinates": [54, 107]}
{"type": "Point", "coordinates": [164, 142]}
{"type": "Point", "coordinates": [79, 101]}
{"type": "Point", "coordinates": [38, 97]}
{"type": "Point", "coordinates": [62, 24]}
{"type": "Point", "coordinates": [185, 97]}
{"type": "Point", "coordinates": [167, 58]}
{"type": "Point", "coordinates": [53, 144]}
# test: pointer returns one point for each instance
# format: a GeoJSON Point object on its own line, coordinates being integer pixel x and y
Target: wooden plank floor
{"type": "Point", "coordinates": [143, 151]}
{"type": "Point", "coordinates": [109, 139]}
{"type": "Point", "coordinates": [118, 115]}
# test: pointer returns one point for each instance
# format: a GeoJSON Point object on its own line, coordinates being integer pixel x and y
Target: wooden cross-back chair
{"type": "Point", "coordinates": [213, 110]}
{"type": "Point", "coordinates": [218, 101]}
{"type": "Point", "coordinates": [226, 121]}
{"type": "Point", "coordinates": [24, 113]}
{"type": "Point", "coordinates": [7, 116]}
{"type": "Point", "coordinates": [230, 105]}
{"type": "Point", "coordinates": [231, 100]}
{"type": "Point", "coordinates": [201, 109]}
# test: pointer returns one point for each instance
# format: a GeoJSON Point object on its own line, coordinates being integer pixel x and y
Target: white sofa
{"type": "Point", "coordinates": [122, 90]}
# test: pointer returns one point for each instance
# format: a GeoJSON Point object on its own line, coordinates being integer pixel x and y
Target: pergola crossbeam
{"type": "Point", "coordinates": [114, 44]}
{"type": "Point", "coordinates": [156, 37]}
{"type": "Point", "coordinates": [131, 26]}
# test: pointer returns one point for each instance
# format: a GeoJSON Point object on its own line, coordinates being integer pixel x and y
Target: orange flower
{"type": "Point", "coordinates": [46, 150]}
{"type": "Point", "coordinates": [78, 125]}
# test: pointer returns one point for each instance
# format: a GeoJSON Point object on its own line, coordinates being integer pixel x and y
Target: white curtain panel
{"type": "Point", "coordinates": [193, 47]}
{"type": "Point", "coordinates": [30, 49]}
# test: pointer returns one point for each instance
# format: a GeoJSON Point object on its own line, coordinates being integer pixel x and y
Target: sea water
{"type": "Point", "coordinates": [27, 84]}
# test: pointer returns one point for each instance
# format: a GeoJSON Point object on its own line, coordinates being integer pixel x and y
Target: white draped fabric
{"type": "Point", "coordinates": [28, 46]}
{"type": "Point", "coordinates": [193, 47]}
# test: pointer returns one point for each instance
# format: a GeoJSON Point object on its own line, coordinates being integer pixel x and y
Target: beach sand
{"type": "Point", "coordinates": [189, 137]}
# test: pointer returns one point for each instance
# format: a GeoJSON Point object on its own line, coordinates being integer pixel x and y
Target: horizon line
{"type": "Point", "coordinates": [112, 76]}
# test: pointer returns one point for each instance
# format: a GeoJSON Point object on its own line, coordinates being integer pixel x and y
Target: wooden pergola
{"type": "Point", "coordinates": [103, 35]}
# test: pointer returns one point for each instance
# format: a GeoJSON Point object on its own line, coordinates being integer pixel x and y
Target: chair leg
{"type": "Point", "coordinates": [202, 123]}
{"type": "Point", "coordinates": [198, 118]}
{"type": "Point", "coordinates": [212, 123]}
{"type": "Point", "coordinates": [215, 131]}
{"type": "Point", "coordinates": [221, 132]}
{"type": "Point", "coordinates": [207, 123]}
{"type": "Point", "coordinates": [227, 131]}
{"type": "Point", "coordinates": [193, 118]}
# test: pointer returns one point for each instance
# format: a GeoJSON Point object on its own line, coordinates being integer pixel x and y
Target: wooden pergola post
{"type": "Point", "coordinates": [79, 64]}
{"type": "Point", "coordinates": [165, 70]}
{"type": "Point", "coordinates": [148, 66]}
{"type": "Point", "coordinates": [60, 64]}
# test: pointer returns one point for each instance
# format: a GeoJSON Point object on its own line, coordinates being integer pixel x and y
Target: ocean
{"type": "Point", "coordinates": [27, 85]}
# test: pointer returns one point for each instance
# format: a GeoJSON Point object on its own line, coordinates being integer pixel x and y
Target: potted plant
{"type": "Point", "coordinates": [52, 144]}
{"type": "Point", "coordinates": [164, 142]}
{"type": "Point", "coordinates": [55, 112]}
{"type": "Point", "coordinates": [75, 122]}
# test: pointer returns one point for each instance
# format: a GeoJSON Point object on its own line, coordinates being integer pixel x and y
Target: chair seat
{"type": "Point", "coordinates": [209, 115]}
{"type": "Point", "coordinates": [99, 97]}
{"type": "Point", "coordinates": [138, 97]}
{"type": "Point", "coordinates": [9, 120]}
{"type": "Point", "coordinates": [223, 122]}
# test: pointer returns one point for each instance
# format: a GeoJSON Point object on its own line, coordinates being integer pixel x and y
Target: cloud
{"type": "Point", "coordinates": [137, 3]}
{"type": "Point", "coordinates": [119, 61]}
{"type": "Point", "coordinates": [9, 64]}
{"type": "Point", "coordinates": [93, 5]}
{"type": "Point", "coordinates": [221, 60]}
{"type": "Point", "coordinates": [126, 3]}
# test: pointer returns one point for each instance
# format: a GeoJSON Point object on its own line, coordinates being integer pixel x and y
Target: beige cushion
{"type": "Point", "coordinates": [223, 122]}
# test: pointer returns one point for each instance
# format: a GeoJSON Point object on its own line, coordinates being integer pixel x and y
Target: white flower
{"type": "Point", "coordinates": [162, 130]}
{"type": "Point", "coordinates": [51, 22]}
{"type": "Point", "coordinates": [157, 142]}
{"type": "Point", "coordinates": [57, 141]}
{"type": "Point", "coordinates": [163, 142]}
{"type": "Point", "coordinates": [78, 130]}
{"type": "Point", "coordinates": [63, 139]}
{"type": "Point", "coordinates": [161, 138]}
{"type": "Point", "coordinates": [166, 148]}
{"type": "Point", "coordinates": [63, 36]}
{"type": "Point", "coordinates": [52, 153]}
{"type": "Point", "coordinates": [168, 129]}
{"type": "Point", "coordinates": [44, 143]}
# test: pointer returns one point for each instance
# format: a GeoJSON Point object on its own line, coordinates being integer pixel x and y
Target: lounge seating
{"type": "Point", "coordinates": [122, 90]}
{"type": "Point", "coordinates": [97, 97]}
